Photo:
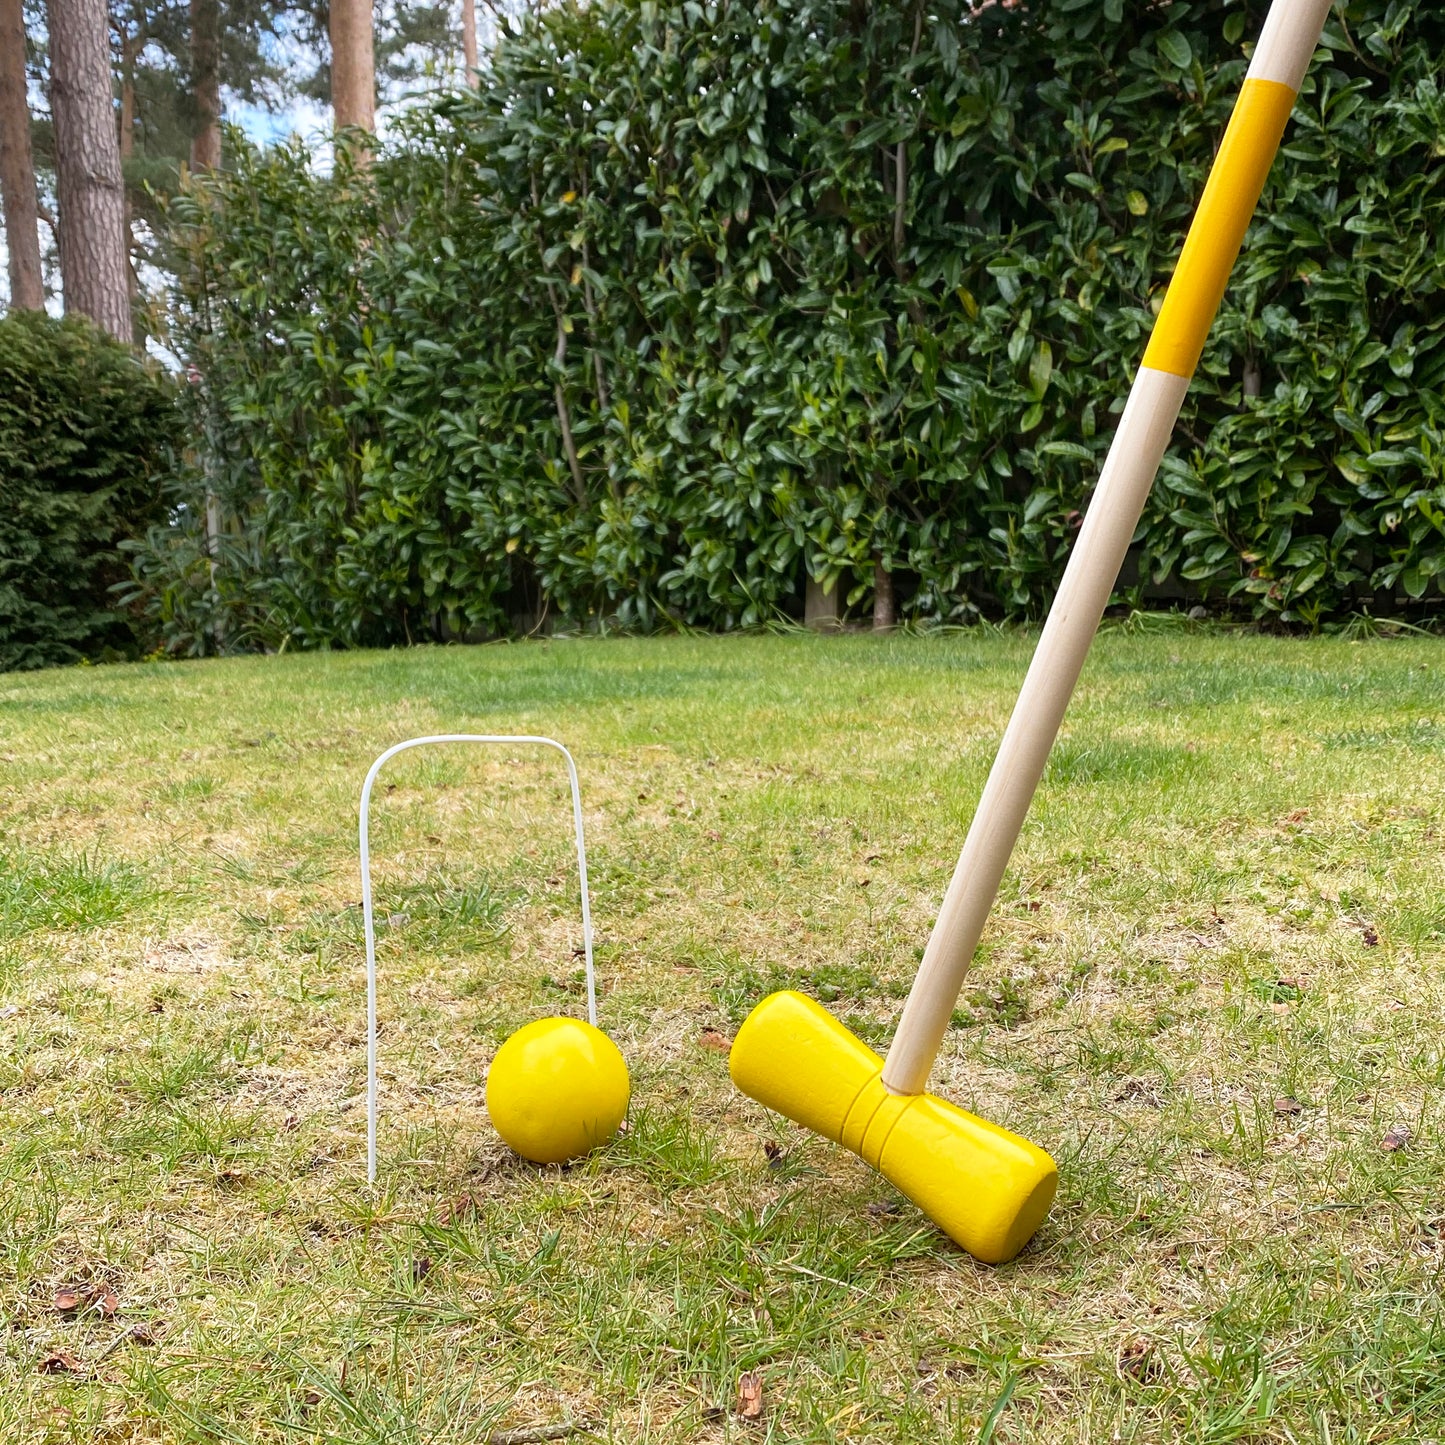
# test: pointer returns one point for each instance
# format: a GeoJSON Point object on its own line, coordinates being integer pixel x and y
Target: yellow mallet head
{"type": "Point", "coordinates": [558, 1088]}
{"type": "Point", "coordinates": [986, 1188]}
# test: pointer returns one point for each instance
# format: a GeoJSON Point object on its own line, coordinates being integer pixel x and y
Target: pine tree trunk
{"type": "Point", "coordinates": [469, 40]}
{"type": "Point", "coordinates": [89, 191]}
{"type": "Point", "coordinates": [353, 77]}
{"type": "Point", "coordinates": [206, 77]}
{"type": "Point", "coordinates": [17, 166]}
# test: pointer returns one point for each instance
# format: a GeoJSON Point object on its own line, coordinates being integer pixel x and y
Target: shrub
{"type": "Point", "coordinates": [690, 301]}
{"type": "Point", "coordinates": [85, 431]}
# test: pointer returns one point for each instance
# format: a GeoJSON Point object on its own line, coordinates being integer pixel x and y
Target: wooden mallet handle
{"type": "Point", "coordinates": [1291, 31]}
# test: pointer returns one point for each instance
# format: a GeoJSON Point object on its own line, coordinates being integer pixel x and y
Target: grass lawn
{"type": "Point", "coordinates": [1211, 988]}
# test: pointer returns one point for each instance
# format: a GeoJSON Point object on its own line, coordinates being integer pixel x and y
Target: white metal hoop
{"type": "Point", "coordinates": [368, 915]}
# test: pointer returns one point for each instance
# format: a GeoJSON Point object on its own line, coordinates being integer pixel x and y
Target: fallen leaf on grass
{"type": "Point", "coordinates": [463, 1206]}
{"type": "Point", "coordinates": [750, 1395]}
{"type": "Point", "coordinates": [1395, 1139]}
{"type": "Point", "coordinates": [62, 1362]}
{"type": "Point", "coordinates": [712, 1039]}
{"type": "Point", "coordinates": [1286, 1105]}
{"type": "Point", "coordinates": [1136, 1359]}
{"type": "Point", "coordinates": [73, 1297]}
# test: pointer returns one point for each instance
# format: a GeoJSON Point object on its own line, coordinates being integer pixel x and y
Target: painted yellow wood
{"type": "Point", "coordinates": [1230, 196]}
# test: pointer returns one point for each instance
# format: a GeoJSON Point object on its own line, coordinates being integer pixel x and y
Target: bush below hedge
{"type": "Point", "coordinates": [86, 430]}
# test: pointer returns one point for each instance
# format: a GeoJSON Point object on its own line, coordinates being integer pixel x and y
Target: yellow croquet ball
{"type": "Point", "coordinates": [556, 1089]}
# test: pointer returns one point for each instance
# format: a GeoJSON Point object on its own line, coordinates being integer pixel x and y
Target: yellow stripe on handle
{"type": "Point", "coordinates": [1230, 196]}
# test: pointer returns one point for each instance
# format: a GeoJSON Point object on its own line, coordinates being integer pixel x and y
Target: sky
{"type": "Point", "coordinates": [265, 127]}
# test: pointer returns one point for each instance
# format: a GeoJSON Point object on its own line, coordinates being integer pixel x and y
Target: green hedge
{"type": "Point", "coordinates": [678, 229]}
{"type": "Point", "coordinates": [85, 432]}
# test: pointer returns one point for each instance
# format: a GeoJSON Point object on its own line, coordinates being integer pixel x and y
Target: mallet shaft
{"type": "Point", "coordinates": [1291, 31]}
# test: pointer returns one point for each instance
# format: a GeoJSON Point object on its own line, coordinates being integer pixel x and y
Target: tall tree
{"type": "Point", "coordinates": [353, 64]}
{"type": "Point", "coordinates": [469, 41]}
{"type": "Point", "coordinates": [206, 80]}
{"type": "Point", "coordinates": [17, 166]}
{"type": "Point", "coordinates": [412, 45]}
{"type": "Point", "coordinates": [89, 190]}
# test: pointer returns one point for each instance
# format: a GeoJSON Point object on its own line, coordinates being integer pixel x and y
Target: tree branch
{"type": "Point", "coordinates": [564, 417]}
{"type": "Point", "coordinates": [541, 1432]}
{"type": "Point", "coordinates": [900, 164]}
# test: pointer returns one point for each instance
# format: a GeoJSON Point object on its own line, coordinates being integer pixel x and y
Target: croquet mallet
{"type": "Point", "coordinates": [985, 1187]}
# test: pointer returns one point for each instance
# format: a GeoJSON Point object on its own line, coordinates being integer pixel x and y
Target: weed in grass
{"type": "Point", "coordinates": [443, 909]}
{"type": "Point", "coordinates": [182, 791]}
{"type": "Point", "coordinates": [1081, 764]}
{"type": "Point", "coordinates": [738, 986]}
{"type": "Point", "coordinates": [67, 893]}
{"type": "Point", "coordinates": [270, 872]}
{"type": "Point", "coordinates": [668, 1150]}
{"type": "Point", "coordinates": [573, 987]}
{"type": "Point", "coordinates": [159, 1071]}
{"type": "Point", "coordinates": [1004, 1001]}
